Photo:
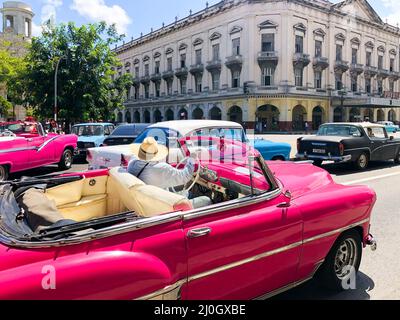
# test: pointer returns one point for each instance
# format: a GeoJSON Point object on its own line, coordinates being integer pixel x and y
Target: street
{"type": "Point", "coordinates": [380, 270]}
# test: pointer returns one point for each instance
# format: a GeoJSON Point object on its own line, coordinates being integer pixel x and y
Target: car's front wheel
{"type": "Point", "coordinates": [66, 160]}
{"type": "Point", "coordinates": [3, 173]}
{"type": "Point", "coordinates": [342, 263]}
{"type": "Point", "coordinates": [362, 161]}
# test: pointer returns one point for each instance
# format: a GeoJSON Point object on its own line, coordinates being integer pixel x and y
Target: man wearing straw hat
{"type": "Point", "coordinates": [151, 167]}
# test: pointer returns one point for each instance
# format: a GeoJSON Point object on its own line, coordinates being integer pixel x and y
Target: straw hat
{"type": "Point", "coordinates": [150, 150]}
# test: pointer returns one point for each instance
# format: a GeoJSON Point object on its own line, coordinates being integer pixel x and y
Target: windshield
{"type": "Point", "coordinates": [88, 130]}
{"type": "Point", "coordinates": [235, 134]}
{"type": "Point", "coordinates": [128, 130]}
{"type": "Point", "coordinates": [339, 130]}
{"type": "Point", "coordinates": [164, 136]}
{"type": "Point", "coordinates": [18, 128]}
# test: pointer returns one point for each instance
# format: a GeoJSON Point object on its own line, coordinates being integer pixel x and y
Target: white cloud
{"type": "Point", "coordinates": [393, 6]}
{"type": "Point", "coordinates": [49, 10]}
{"type": "Point", "coordinates": [36, 30]}
{"type": "Point", "coordinates": [98, 10]}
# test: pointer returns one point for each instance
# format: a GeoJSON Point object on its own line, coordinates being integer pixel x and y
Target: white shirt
{"type": "Point", "coordinates": [162, 174]}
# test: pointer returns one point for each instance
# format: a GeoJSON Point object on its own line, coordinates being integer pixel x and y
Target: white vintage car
{"type": "Point", "coordinates": [166, 133]}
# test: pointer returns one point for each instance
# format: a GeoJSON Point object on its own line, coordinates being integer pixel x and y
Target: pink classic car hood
{"type": "Point", "coordinates": [300, 178]}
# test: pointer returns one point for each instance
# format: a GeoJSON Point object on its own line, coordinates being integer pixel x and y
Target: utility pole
{"type": "Point", "coordinates": [55, 86]}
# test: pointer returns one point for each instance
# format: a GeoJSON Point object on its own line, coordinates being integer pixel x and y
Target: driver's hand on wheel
{"type": "Point", "coordinates": [190, 164]}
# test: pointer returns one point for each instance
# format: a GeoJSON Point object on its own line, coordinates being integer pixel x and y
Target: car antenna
{"type": "Point", "coordinates": [251, 159]}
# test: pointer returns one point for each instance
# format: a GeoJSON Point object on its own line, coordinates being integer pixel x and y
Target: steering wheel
{"type": "Point", "coordinates": [8, 133]}
{"type": "Point", "coordinates": [189, 185]}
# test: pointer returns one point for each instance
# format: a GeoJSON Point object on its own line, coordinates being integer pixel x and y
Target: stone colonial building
{"type": "Point", "coordinates": [16, 28]}
{"type": "Point", "coordinates": [269, 64]}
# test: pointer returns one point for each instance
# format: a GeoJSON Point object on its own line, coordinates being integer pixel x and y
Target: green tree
{"type": "Point", "coordinates": [12, 69]}
{"type": "Point", "coordinates": [86, 88]}
{"type": "Point", "coordinates": [5, 106]}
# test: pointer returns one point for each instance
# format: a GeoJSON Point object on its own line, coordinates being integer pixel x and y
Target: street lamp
{"type": "Point", "coordinates": [55, 86]}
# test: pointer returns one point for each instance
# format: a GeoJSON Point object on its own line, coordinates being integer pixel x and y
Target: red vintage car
{"type": "Point", "coordinates": [25, 145]}
{"type": "Point", "coordinates": [106, 235]}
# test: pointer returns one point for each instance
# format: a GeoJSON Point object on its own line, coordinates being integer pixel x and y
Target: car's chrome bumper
{"type": "Point", "coordinates": [303, 156]}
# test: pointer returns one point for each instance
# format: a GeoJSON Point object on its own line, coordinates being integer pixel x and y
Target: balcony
{"type": "Point", "coordinates": [341, 66]}
{"type": "Point", "coordinates": [356, 68]}
{"type": "Point", "coordinates": [181, 72]}
{"type": "Point", "coordinates": [301, 60]}
{"type": "Point", "coordinates": [394, 75]}
{"type": "Point", "coordinates": [268, 57]}
{"type": "Point", "coordinates": [234, 62]}
{"type": "Point", "coordinates": [214, 66]}
{"type": "Point", "coordinates": [383, 73]}
{"type": "Point", "coordinates": [320, 63]}
{"type": "Point", "coordinates": [197, 68]}
{"type": "Point", "coordinates": [136, 81]}
{"type": "Point", "coordinates": [145, 79]}
{"type": "Point", "coordinates": [167, 75]}
{"type": "Point", "coordinates": [370, 71]}
{"type": "Point", "coordinates": [156, 77]}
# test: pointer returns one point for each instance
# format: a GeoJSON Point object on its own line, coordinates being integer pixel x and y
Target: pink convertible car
{"type": "Point", "coordinates": [25, 145]}
{"type": "Point", "coordinates": [106, 235]}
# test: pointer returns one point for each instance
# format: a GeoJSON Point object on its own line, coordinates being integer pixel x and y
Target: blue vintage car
{"type": "Point", "coordinates": [390, 126]}
{"type": "Point", "coordinates": [91, 135]}
{"type": "Point", "coordinates": [272, 150]}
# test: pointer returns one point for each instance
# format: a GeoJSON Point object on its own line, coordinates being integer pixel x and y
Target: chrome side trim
{"type": "Point", "coordinates": [17, 150]}
{"type": "Point", "coordinates": [273, 252]}
{"type": "Point", "coordinates": [46, 143]}
{"type": "Point", "coordinates": [169, 293]}
{"type": "Point", "coordinates": [331, 233]}
{"type": "Point", "coordinates": [238, 203]}
{"type": "Point", "coordinates": [292, 285]}
{"type": "Point", "coordinates": [245, 261]}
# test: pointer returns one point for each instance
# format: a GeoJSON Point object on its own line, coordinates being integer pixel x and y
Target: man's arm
{"type": "Point", "coordinates": [176, 177]}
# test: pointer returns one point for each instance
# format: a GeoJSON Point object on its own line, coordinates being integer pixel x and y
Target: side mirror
{"type": "Point", "coordinates": [391, 137]}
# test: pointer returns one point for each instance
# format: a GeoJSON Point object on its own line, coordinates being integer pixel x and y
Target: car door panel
{"type": "Point", "coordinates": [248, 252]}
{"type": "Point", "coordinates": [35, 157]}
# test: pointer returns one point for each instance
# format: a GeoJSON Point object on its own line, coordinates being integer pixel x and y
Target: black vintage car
{"type": "Point", "coordinates": [125, 134]}
{"type": "Point", "coordinates": [356, 143]}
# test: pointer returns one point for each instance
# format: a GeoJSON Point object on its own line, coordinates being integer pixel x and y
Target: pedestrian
{"type": "Point", "coordinates": [306, 127]}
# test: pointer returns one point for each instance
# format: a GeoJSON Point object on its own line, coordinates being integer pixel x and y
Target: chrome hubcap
{"type": "Point", "coordinates": [68, 159]}
{"type": "Point", "coordinates": [362, 161]}
{"type": "Point", "coordinates": [346, 258]}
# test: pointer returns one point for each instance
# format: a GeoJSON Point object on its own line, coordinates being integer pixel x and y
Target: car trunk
{"type": "Point", "coordinates": [320, 146]}
{"type": "Point", "coordinates": [119, 140]}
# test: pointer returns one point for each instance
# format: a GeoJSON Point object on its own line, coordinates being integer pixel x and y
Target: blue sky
{"type": "Point", "coordinates": [136, 16]}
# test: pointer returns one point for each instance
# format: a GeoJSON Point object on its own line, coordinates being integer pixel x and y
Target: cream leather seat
{"type": "Point", "coordinates": [146, 200]}
{"type": "Point", "coordinates": [92, 198]}
{"type": "Point", "coordinates": [81, 200]}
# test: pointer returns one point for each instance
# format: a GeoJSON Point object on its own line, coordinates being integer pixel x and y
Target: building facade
{"type": "Point", "coordinates": [272, 65]}
{"type": "Point", "coordinates": [16, 28]}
